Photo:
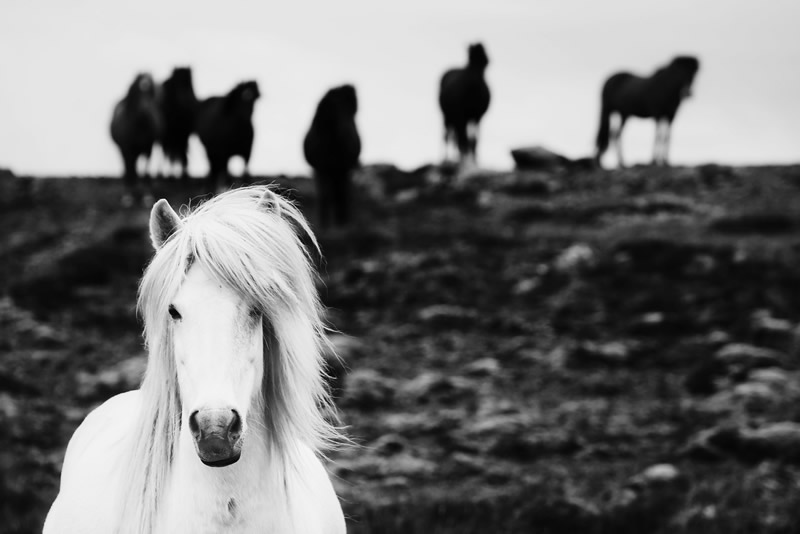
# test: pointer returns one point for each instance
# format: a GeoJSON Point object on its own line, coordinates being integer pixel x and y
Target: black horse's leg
{"type": "Point", "coordinates": [657, 143]}
{"type": "Point", "coordinates": [147, 183]}
{"type": "Point", "coordinates": [473, 131]}
{"type": "Point", "coordinates": [618, 140]}
{"type": "Point", "coordinates": [129, 180]}
{"type": "Point", "coordinates": [665, 143]}
{"type": "Point", "coordinates": [447, 142]}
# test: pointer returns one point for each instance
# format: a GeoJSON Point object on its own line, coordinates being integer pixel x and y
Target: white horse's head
{"type": "Point", "coordinates": [218, 347]}
{"type": "Point", "coordinates": [232, 320]}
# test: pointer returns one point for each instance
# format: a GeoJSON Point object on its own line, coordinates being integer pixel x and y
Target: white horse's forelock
{"type": "Point", "coordinates": [256, 249]}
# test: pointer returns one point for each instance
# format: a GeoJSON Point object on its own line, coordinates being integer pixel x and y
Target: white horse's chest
{"type": "Point", "coordinates": [241, 498]}
{"type": "Point", "coordinates": [203, 512]}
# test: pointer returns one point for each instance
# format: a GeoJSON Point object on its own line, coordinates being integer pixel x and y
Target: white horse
{"type": "Point", "coordinates": [225, 432]}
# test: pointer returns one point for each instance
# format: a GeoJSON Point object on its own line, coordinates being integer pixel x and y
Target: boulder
{"type": "Point", "coordinates": [574, 257]}
{"type": "Point", "coordinates": [745, 357]}
{"type": "Point", "coordinates": [124, 376]}
{"type": "Point", "coordinates": [368, 389]}
{"type": "Point", "coordinates": [447, 316]}
{"type": "Point", "coordinates": [772, 441]}
{"type": "Point", "coordinates": [590, 352]}
{"type": "Point", "coordinates": [539, 158]}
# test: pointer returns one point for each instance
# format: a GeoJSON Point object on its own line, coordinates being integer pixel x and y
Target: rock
{"type": "Point", "coordinates": [776, 440]}
{"type": "Point", "coordinates": [526, 183]}
{"type": "Point", "coordinates": [425, 422]}
{"type": "Point", "coordinates": [447, 316]}
{"type": "Point", "coordinates": [528, 447]}
{"type": "Point", "coordinates": [432, 385]}
{"type": "Point", "coordinates": [368, 389]}
{"type": "Point", "coordinates": [346, 347]}
{"type": "Point", "coordinates": [772, 441]}
{"type": "Point", "coordinates": [755, 391]}
{"type": "Point", "coordinates": [574, 257]}
{"type": "Point", "coordinates": [485, 199]}
{"type": "Point", "coordinates": [382, 180]}
{"type": "Point", "coordinates": [389, 444]}
{"type": "Point", "coordinates": [589, 352]}
{"type": "Point", "coordinates": [772, 376]}
{"type": "Point", "coordinates": [124, 376]}
{"type": "Point", "coordinates": [9, 408]}
{"type": "Point", "coordinates": [483, 367]}
{"type": "Point", "coordinates": [538, 158]}
{"type": "Point", "coordinates": [406, 196]}
{"type": "Point", "coordinates": [746, 357]}
{"type": "Point", "coordinates": [656, 474]}
{"type": "Point", "coordinates": [398, 465]}
{"type": "Point", "coordinates": [772, 332]}
{"type": "Point", "coordinates": [525, 286]}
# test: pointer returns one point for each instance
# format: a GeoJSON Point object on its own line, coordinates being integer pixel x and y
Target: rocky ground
{"type": "Point", "coordinates": [566, 351]}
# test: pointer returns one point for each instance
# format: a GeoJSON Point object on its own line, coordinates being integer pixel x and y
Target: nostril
{"type": "Point", "coordinates": [235, 428]}
{"type": "Point", "coordinates": [193, 426]}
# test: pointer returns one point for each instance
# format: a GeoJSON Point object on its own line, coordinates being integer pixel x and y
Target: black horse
{"type": "Point", "coordinates": [464, 98]}
{"type": "Point", "coordinates": [657, 97]}
{"type": "Point", "coordinates": [136, 126]}
{"type": "Point", "coordinates": [332, 148]}
{"type": "Point", "coordinates": [178, 105]}
{"type": "Point", "coordinates": [224, 125]}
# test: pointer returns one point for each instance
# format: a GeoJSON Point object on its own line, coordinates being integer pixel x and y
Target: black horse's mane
{"type": "Point", "coordinates": [135, 91]}
{"type": "Point", "coordinates": [238, 94]}
{"type": "Point", "coordinates": [339, 101]}
{"type": "Point", "coordinates": [477, 57]}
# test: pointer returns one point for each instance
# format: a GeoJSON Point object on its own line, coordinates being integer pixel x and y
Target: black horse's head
{"type": "Point", "coordinates": [685, 69]}
{"type": "Point", "coordinates": [143, 86]}
{"type": "Point", "coordinates": [338, 105]}
{"type": "Point", "coordinates": [344, 98]}
{"type": "Point", "coordinates": [243, 96]}
{"type": "Point", "coordinates": [477, 56]}
{"type": "Point", "coordinates": [181, 77]}
{"type": "Point", "coordinates": [179, 86]}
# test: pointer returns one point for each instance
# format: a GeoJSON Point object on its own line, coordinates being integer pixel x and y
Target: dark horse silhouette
{"type": "Point", "coordinates": [224, 125]}
{"type": "Point", "coordinates": [332, 147]}
{"type": "Point", "coordinates": [178, 105]}
{"type": "Point", "coordinates": [464, 98]}
{"type": "Point", "coordinates": [136, 125]}
{"type": "Point", "coordinates": [657, 97]}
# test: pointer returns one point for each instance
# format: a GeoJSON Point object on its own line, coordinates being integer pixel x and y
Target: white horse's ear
{"type": "Point", "coordinates": [270, 202]}
{"type": "Point", "coordinates": [163, 223]}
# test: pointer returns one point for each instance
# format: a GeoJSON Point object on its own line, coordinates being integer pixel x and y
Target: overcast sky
{"type": "Point", "coordinates": [63, 65]}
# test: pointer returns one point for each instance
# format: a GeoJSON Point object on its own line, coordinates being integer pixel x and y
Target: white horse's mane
{"type": "Point", "coordinates": [257, 250]}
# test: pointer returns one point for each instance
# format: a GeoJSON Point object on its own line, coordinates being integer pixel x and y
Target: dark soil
{"type": "Point", "coordinates": [522, 343]}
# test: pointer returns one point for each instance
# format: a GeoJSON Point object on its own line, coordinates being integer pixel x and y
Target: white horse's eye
{"type": "Point", "coordinates": [254, 313]}
{"type": "Point", "coordinates": [174, 313]}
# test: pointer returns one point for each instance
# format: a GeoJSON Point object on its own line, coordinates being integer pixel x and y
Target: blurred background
{"type": "Point", "coordinates": [65, 65]}
{"type": "Point", "coordinates": [530, 342]}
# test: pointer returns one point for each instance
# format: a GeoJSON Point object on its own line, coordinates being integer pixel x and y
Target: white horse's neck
{"type": "Point", "coordinates": [242, 497]}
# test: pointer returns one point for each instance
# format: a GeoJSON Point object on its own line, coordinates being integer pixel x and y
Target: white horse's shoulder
{"type": "Point", "coordinates": [94, 458]}
{"type": "Point", "coordinates": [321, 489]}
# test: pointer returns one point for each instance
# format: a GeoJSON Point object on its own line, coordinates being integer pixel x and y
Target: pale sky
{"type": "Point", "coordinates": [64, 64]}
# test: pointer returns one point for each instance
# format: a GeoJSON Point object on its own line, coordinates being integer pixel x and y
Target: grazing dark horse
{"type": "Point", "coordinates": [657, 97]}
{"type": "Point", "coordinates": [464, 98]}
{"type": "Point", "coordinates": [332, 147]}
{"type": "Point", "coordinates": [224, 125]}
{"type": "Point", "coordinates": [178, 105]}
{"type": "Point", "coordinates": [136, 126]}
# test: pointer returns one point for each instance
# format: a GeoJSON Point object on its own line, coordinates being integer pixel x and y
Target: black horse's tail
{"type": "Point", "coordinates": [604, 131]}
